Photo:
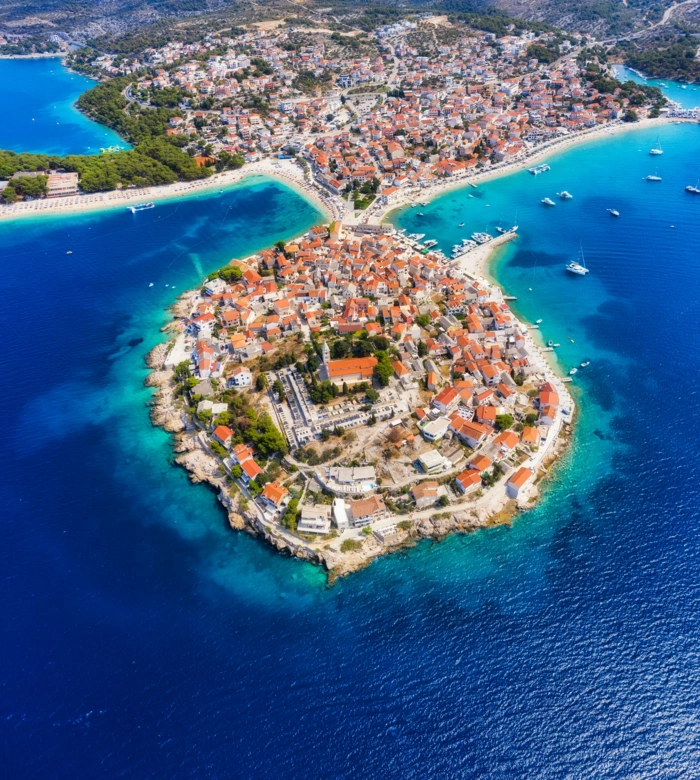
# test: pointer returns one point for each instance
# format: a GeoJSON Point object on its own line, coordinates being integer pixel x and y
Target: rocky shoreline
{"type": "Point", "coordinates": [203, 466]}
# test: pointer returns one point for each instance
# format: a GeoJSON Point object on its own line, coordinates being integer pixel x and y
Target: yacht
{"type": "Point", "coordinates": [564, 195]}
{"type": "Point", "coordinates": [614, 212]}
{"type": "Point", "coordinates": [538, 169]}
{"type": "Point", "coordinates": [576, 267]}
{"type": "Point", "coordinates": [654, 178]}
{"type": "Point", "coordinates": [430, 243]}
{"type": "Point", "coordinates": [656, 150]}
{"type": "Point", "coordinates": [547, 202]}
{"type": "Point", "coordinates": [693, 190]}
{"type": "Point", "coordinates": [141, 207]}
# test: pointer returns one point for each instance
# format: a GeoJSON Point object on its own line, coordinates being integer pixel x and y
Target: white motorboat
{"type": "Point", "coordinates": [573, 371]}
{"type": "Point", "coordinates": [614, 212]}
{"type": "Point", "coordinates": [576, 267]}
{"type": "Point", "coordinates": [564, 195]}
{"type": "Point", "coordinates": [547, 202]}
{"type": "Point", "coordinates": [654, 178]}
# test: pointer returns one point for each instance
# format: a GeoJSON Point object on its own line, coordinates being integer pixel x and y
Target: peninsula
{"type": "Point", "coordinates": [351, 392]}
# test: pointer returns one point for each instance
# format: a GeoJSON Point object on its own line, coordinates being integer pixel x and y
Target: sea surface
{"type": "Point", "coordinates": [142, 638]}
{"type": "Point", "coordinates": [39, 113]}
{"type": "Point", "coordinates": [686, 95]}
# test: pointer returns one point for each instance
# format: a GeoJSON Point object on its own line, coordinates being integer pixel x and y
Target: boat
{"type": "Point", "coordinates": [547, 202]}
{"type": "Point", "coordinates": [555, 345]}
{"type": "Point", "coordinates": [585, 363]}
{"type": "Point", "coordinates": [151, 284]}
{"type": "Point", "coordinates": [420, 214]}
{"type": "Point", "coordinates": [550, 343]}
{"type": "Point", "coordinates": [142, 207]}
{"type": "Point", "coordinates": [430, 243]}
{"type": "Point", "coordinates": [537, 322]}
{"type": "Point", "coordinates": [655, 151]}
{"type": "Point", "coordinates": [69, 252]}
{"type": "Point", "coordinates": [654, 178]}
{"type": "Point", "coordinates": [564, 195]}
{"type": "Point", "coordinates": [573, 371]}
{"type": "Point", "coordinates": [614, 212]}
{"type": "Point", "coordinates": [461, 224]}
{"type": "Point", "coordinates": [693, 190]}
{"type": "Point", "coordinates": [538, 169]}
{"type": "Point", "coordinates": [576, 267]}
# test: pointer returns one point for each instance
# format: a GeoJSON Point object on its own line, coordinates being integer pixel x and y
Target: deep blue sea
{"type": "Point", "coordinates": [142, 638]}
{"type": "Point", "coordinates": [39, 113]}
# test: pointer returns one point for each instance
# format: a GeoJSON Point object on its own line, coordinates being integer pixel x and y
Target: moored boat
{"type": "Point", "coordinates": [576, 267]}
{"type": "Point", "coordinates": [141, 207]}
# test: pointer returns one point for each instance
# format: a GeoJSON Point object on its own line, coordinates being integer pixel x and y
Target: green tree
{"type": "Point", "coordinates": [182, 371]}
{"type": "Point", "coordinates": [504, 421]}
{"type": "Point", "coordinates": [423, 320]}
{"type": "Point", "coordinates": [384, 369]}
{"type": "Point", "coordinates": [278, 387]}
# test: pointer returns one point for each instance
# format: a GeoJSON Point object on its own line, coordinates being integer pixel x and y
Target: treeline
{"type": "Point", "coordinates": [106, 104]}
{"type": "Point", "coordinates": [153, 162]}
{"type": "Point", "coordinates": [677, 61]}
{"type": "Point", "coordinates": [491, 20]}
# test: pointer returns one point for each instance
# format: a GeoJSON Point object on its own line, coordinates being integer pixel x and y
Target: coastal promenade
{"type": "Point", "coordinates": [286, 171]}
{"type": "Point", "coordinates": [377, 212]}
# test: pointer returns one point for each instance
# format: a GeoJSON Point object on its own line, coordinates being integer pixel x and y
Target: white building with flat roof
{"type": "Point", "coordinates": [315, 520]}
{"type": "Point", "coordinates": [340, 514]}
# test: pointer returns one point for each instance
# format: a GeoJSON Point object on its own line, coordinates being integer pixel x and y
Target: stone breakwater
{"type": "Point", "coordinates": [203, 466]}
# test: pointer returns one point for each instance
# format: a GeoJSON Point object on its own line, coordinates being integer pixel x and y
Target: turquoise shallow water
{"type": "Point", "coordinates": [40, 114]}
{"type": "Point", "coordinates": [144, 638]}
{"type": "Point", "coordinates": [687, 95]}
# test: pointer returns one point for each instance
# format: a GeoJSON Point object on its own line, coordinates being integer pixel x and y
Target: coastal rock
{"type": "Point", "coordinates": [156, 357]}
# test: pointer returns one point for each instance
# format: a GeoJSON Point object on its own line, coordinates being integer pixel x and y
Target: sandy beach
{"type": "Point", "coordinates": [292, 174]}
{"type": "Point", "coordinates": [377, 214]}
{"type": "Point", "coordinates": [285, 171]}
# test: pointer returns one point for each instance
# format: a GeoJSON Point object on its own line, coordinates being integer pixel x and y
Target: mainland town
{"type": "Point", "coordinates": [370, 117]}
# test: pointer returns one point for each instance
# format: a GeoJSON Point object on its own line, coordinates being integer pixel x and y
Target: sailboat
{"type": "Point", "coordinates": [578, 268]}
{"type": "Point", "coordinates": [693, 190]}
{"type": "Point", "coordinates": [656, 150]}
